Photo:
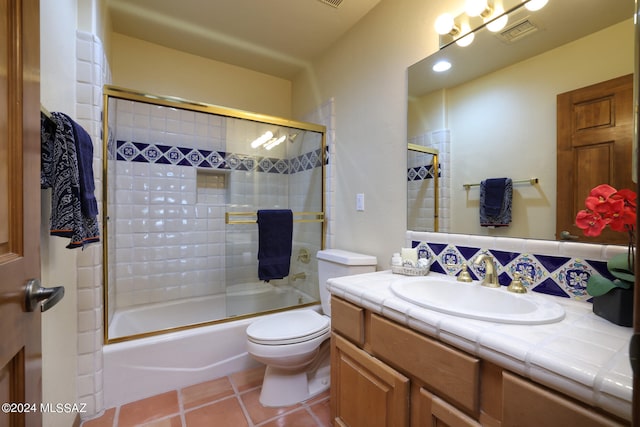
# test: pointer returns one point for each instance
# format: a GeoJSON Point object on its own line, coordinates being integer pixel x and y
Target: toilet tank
{"type": "Point", "coordinates": [337, 263]}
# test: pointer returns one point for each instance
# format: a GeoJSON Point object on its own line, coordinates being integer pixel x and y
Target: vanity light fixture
{"type": "Point", "coordinates": [481, 8]}
{"type": "Point", "coordinates": [445, 24]}
{"type": "Point", "coordinates": [262, 139]}
{"type": "Point", "coordinates": [534, 5]}
{"type": "Point", "coordinates": [467, 38]}
{"type": "Point", "coordinates": [498, 20]}
{"type": "Point", "coordinates": [441, 66]}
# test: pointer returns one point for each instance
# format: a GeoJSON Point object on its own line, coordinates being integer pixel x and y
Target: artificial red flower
{"type": "Point", "coordinates": [590, 222]}
{"type": "Point", "coordinates": [608, 206]}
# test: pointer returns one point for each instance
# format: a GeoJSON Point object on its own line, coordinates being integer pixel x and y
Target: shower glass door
{"type": "Point", "coordinates": [183, 182]}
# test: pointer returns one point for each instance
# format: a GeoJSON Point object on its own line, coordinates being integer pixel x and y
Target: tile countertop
{"type": "Point", "coordinates": [583, 355]}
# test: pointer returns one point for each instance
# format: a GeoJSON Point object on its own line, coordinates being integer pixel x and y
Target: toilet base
{"type": "Point", "coordinates": [284, 388]}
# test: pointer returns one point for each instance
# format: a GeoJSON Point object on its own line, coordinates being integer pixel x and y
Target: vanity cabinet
{"type": "Point", "coordinates": [386, 374]}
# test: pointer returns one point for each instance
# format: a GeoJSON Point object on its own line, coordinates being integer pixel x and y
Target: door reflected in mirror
{"type": "Point", "coordinates": [495, 113]}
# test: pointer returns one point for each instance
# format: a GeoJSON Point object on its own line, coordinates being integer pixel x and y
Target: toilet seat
{"type": "Point", "coordinates": [288, 328]}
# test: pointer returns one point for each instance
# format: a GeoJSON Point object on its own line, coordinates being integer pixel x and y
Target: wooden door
{"type": "Point", "coordinates": [364, 391]}
{"type": "Point", "coordinates": [436, 412]}
{"type": "Point", "coordinates": [20, 367]}
{"type": "Point", "coordinates": [595, 137]}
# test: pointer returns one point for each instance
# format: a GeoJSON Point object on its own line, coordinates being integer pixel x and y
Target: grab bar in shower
{"type": "Point", "coordinates": [298, 217]}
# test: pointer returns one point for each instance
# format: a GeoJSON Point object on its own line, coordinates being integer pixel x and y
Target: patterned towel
{"type": "Point", "coordinates": [60, 171]}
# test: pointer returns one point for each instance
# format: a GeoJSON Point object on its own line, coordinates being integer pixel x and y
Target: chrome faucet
{"type": "Point", "coordinates": [296, 276]}
{"type": "Point", "coordinates": [490, 276]}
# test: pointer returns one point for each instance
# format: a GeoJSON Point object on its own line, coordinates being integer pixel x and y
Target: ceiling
{"type": "Point", "coordinates": [276, 37]}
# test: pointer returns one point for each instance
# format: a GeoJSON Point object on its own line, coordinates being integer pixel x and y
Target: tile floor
{"type": "Point", "coordinates": [229, 401]}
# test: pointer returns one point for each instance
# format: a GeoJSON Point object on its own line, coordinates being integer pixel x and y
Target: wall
{"type": "Point", "coordinates": [365, 73]}
{"type": "Point", "coordinates": [59, 325]}
{"type": "Point", "coordinates": [151, 68]}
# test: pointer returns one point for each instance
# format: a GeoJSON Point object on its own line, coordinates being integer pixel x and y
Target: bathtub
{"type": "Point", "coordinates": [240, 299]}
{"type": "Point", "coordinates": [143, 367]}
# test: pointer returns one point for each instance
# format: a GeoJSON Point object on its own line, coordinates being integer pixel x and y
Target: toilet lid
{"type": "Point", "coordinates": [289, 327]}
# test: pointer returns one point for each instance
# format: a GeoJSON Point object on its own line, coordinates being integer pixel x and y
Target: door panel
{"type": "Point", "coordinates": [20, 358]}
{"type": "Point", "coordinates": [595, 137]}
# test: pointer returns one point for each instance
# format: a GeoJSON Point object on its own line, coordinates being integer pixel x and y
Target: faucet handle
{"type": "Point", "coordinates": [464, 275]}
{"type": "Point", "coordinates": [516, 285]}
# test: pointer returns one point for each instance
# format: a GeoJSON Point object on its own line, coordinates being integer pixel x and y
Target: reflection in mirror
{"type": "Point", "coordinates": [494, 113]}
{"type": "Point", "coordinates": [183, 184]}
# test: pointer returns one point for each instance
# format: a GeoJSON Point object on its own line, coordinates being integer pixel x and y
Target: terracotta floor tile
{"type": "Point", "coordinates": [257, 412]}
{"type": "Point", "coordinates": [300, 418]}
{"type": "Point", "coordinates": [106, 420]}
{"type": "Point", "coordinates": [322, 411]}
{"type": "Point", "coordinates": [206, 392]}
{"type": "Point", "coordinates": [167, 422]}
{"type": "Point", "coordinates": [225, 413]}
{"type": "Point", "coordinates": [248, 379]}
{"type": "Point", "coordinates": [149, 409]}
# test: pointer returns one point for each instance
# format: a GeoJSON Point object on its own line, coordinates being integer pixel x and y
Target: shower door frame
{"type": "Point", "coordinates": [116, 92]}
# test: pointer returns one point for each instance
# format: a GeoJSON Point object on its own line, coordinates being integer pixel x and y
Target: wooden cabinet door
{"type": "Point", "coordinates": [20, 366]}
{"type": "Point", "coordinates": [364, 391]}
{"type": "Point", "coordinates": [435, 412]}
{"type": "Point", "coordinates": [525, 404]}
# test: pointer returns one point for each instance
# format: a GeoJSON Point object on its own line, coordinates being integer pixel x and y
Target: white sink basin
{"type": "Point", "coordinates": [474, 301]}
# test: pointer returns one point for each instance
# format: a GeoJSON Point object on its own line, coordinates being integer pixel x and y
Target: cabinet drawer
{"type": "Point", "coordinates": [528, 405]}
{"type": "Point", "coordinates": [348, 320]}
{"type": "Point", "coordinates": [449, 373]}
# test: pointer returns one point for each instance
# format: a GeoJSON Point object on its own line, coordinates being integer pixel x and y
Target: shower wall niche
{"type": "Point", "coordinates": [182, 187]}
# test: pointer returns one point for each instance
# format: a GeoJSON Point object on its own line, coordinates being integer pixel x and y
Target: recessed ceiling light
{"type": "Point", "coordinates": [441, 66]}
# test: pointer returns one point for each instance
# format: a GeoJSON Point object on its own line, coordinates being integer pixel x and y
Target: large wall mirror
{"type": "Point", "coordinates": [494, 113]}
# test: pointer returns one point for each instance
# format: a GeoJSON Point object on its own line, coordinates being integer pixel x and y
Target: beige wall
{"type": "Point", "coordinates": [60, 324]}
{"type": "Point", "coordinates": [366, 73]}
{"type": "Point", "coordinates": [150, 68]}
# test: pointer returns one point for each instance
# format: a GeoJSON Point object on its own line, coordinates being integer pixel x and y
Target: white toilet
{"type": "Point", "coordinates": [294, 344]}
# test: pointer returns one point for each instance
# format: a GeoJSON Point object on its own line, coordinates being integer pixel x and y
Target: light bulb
{"type": "Point", "coordinates": [534, 5]}
{"type": "Point", "coordinates": [466, 40]}
{"type": "Point", "coordinates": [477, 8]}
{"type": "Point", "coordinates": [445, 24]}
{"type": "Point", "coordinates": [441, 66]}
{"type": "Point", "coordinates": [262, 139]}
{"type": "Point", "coordinates": [499, 23]}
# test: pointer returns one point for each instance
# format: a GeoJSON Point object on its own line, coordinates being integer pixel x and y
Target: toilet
{"type": "Point", "coordinates": [294, 345]}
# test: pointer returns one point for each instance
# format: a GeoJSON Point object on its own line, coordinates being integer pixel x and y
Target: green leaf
{"type": "Point", "coordinates": [618, 266]}
{"type": "Point", "coordinates": [598, 285]}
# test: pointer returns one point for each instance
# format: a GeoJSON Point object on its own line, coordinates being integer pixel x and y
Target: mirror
{"type": "Point", "coordinates": [493, 114]}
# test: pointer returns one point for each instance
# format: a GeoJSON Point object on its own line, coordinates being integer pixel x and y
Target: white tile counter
{"type": "Point", "coordinates": [583, 355]}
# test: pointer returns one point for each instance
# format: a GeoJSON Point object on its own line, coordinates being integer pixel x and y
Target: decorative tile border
{"type": "Point", "coordinates": [130, 151]}
{"type": "Point", "coordinates": [554, 271]}
{"type": "Point", "coordinates": [420, 173]}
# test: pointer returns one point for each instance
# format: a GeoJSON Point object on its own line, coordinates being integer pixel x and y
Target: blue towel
{"type": "Point", "coordinates": [275, 235]}
{"type": "Point", "coordinates": [495, 202]}
{"type": "Point", "coordinates": [84, 152]}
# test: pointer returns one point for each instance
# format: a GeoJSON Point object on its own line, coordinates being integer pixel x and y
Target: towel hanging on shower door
{"type": "Point", "coordinates": [275, 234]}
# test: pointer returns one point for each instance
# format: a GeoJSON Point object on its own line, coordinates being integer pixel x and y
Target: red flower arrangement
{"type": "Point", "coordinates": [606, 206]}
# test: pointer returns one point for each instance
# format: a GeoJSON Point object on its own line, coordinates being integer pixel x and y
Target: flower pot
{"type": "Point", "coordinates": [616, 306]}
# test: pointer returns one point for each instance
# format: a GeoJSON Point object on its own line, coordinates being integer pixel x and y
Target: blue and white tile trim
{"type": "Point", "coordinates": [185, 156]}
{"type": "Point", "coordinates": [549, 267]}
{"type": "Point", "coordinates": [419, 173]}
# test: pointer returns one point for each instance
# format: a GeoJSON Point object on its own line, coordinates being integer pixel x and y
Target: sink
{"type": "Point", "coordinates": [474, 301]}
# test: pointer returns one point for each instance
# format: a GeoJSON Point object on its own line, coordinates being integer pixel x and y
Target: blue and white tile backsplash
{"type": "Point", "coordinates": [555, 268]}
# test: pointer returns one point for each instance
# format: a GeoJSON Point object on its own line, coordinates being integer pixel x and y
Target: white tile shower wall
{"type": "Point", "coordinates": [92, 73]}
{"type": "Point", "coordinates": [325, 115]}
{"type": "Point", "coordinates": [420, 184]}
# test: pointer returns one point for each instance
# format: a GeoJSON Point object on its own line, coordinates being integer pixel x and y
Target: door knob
{"type": "Point", "coordinates": [565, 235]}
{"type": "Point", "coordinates": [35, 293]}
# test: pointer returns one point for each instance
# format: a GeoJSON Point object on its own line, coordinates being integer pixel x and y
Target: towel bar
{"type": "Point", "coordinates": [531, 181]}
{"type": "Point", "coordinates": [319, 217]}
